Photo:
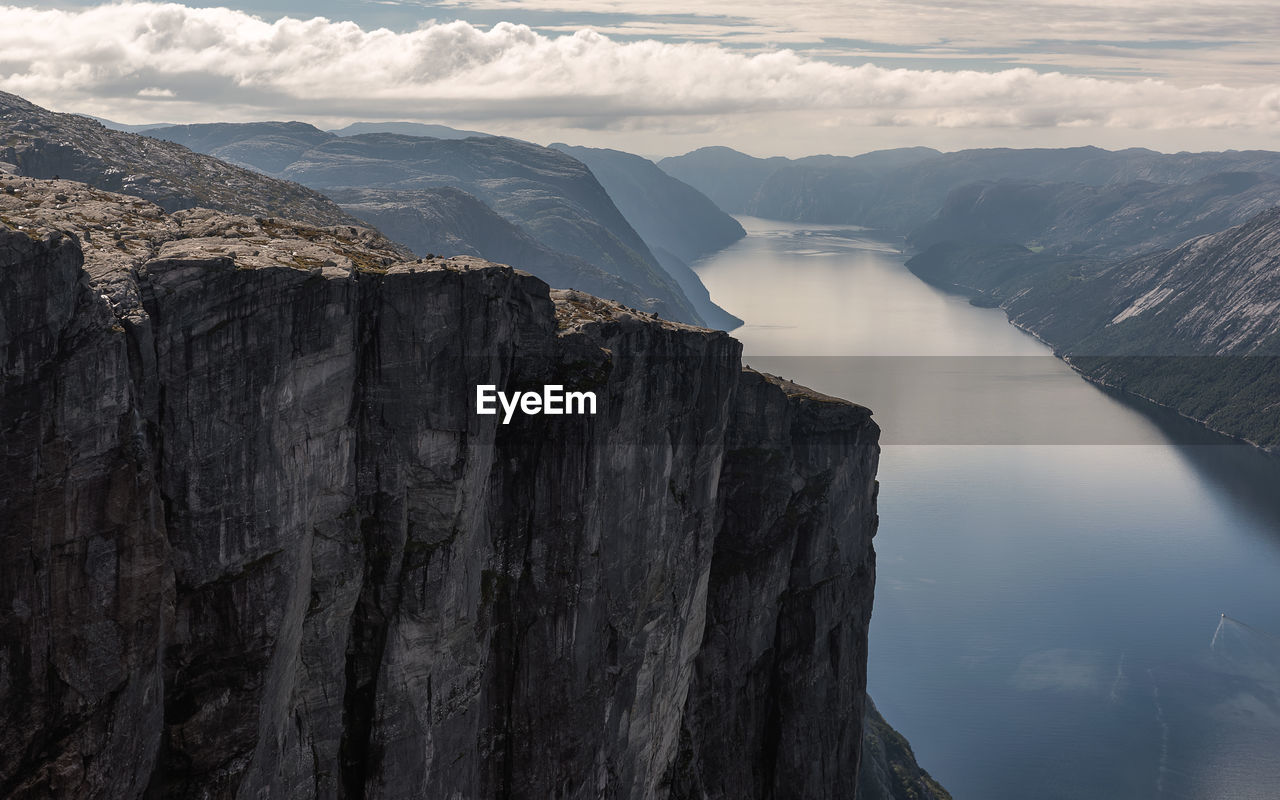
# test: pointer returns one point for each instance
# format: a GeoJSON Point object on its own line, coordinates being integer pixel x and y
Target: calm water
{"type": "Point", "coordinates": [1053, 562]}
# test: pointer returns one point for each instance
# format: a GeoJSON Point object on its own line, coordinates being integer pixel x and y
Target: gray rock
{"type": "Point", "coordinates": [257, 543]}
{"type": "Point", "coordinates": [889, 768]}
{"type": "Point", "coordinates": [42, 144]}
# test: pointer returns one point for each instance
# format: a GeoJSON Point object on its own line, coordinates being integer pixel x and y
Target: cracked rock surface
{"type": "Point", "coordinates": [258, 544]}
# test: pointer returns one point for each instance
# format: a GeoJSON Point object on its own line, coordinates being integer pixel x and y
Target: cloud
{"type": "Point", "coordinates": [1228, 41]}
{"type": "Point", "coordinates": [148, 60]}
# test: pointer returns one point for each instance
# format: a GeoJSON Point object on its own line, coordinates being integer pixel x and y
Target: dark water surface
{"type": "Point", "coordinates": [1054, 562]}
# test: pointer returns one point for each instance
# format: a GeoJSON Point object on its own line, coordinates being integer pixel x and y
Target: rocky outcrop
{"type": "Point", "coordinates": [41, 144]}
{"type": "Point", "coordinates": [889, 768]}
{"type": "Point", "coordinates": [258, 543]}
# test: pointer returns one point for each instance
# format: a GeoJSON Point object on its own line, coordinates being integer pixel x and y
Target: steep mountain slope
{"type": "Point", "coordinates": [258, 544]}
{"type": "Point", "coordinates": [667, 213]}
{"type": "Point", "coordinates": [1115, 220]}
{"type": "Point", "coordinates": [550, 195]}
{"type": "Point", "coordinates": [677, 222]}
{"type": "Point", "coordinates": [43, 144]}
{"type": "Point", "coordinates": [1196, 327]}
{"type": "Point", "coordinates": [448, 221]}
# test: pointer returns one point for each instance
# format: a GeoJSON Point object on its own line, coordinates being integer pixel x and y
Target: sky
{"type": "Point", "coordinates": [662, 77]}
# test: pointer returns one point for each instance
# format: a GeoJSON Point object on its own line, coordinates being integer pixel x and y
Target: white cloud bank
{"type": "Point", "coordinates": [171, 62]}
{"type": "Point", "coordinates": [1230, 41]}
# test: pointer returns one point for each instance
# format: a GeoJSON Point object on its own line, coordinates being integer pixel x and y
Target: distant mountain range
{"type": "Point", "coordinates": [897, 191]}
{"type": "Point", "coordinates": [1112, 220]}
{"type": "Point", "coordinates": [448, 221]}
{"type": "Point", "coordinates": [548, 195]}
{"type": "Point", "coordinates": [407, 129]}
{"type": "Point", "coordinates": [355, 128]}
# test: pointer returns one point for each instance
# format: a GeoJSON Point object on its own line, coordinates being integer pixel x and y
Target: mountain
{"type": "Point", "coordinates": [42, 144]}
{"type": "Point", "coordinates": [120, 126]}
{"type": "Point", "coordinates": [269, 147]}
{"type": "Point", "coordinates": [728, 177]}
{"type": "Point", "coordinates": [1114, 220]}
{"type": "Point", "coordinates": [1195, 327]}
{"type": "Point", "coordinates": [548, 194]}
{"type": "Point", "coordinates": [407, 129]}
{"type": "Point", "coordinates": [784, 188]}
{"type": "Point", "coordinates": [448, 221]}
{"type": "Point", "coordinates": [677, 222]}
{"type": "Point", "coordinates": [899, 190]}
{"type": "Point", "coordinates": [259, 544]}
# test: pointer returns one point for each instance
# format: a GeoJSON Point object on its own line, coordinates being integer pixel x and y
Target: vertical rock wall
{"type": "Point", "coordinates": [257, 544]}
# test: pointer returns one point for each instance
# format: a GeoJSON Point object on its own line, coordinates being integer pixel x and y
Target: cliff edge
{"type": "Point", "coordinates": [258, 543]}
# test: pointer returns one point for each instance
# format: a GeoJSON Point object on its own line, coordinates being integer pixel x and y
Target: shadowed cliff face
{"type": "Point", "coordinates": [257, 542]}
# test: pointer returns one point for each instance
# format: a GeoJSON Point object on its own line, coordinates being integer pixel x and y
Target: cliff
{"type": "Point", "coordinates": [889, 768]}
{"type": "Point", "coordinates": [258, 544]}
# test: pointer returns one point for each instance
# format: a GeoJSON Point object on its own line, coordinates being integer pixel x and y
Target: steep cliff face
{"type": "Point", "coordinates": [789, 603]}
{"type": "Point", "coordinates": [889, 768]}
{"type": "Point", "coordinates": [676, 221]}
{"type": "Point", "coordinates": [258, 543]}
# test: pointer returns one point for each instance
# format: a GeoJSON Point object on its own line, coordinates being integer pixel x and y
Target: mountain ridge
{"type": "Point", "coordinates": [42, 144]}
{"type": "Point", "coordinates": [550, 195]}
